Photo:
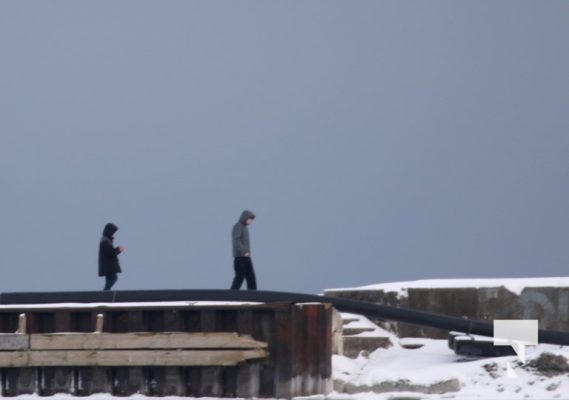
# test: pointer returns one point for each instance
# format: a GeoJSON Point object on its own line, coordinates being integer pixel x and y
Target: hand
{"type": "Point", "coordinates": [246, 254]}
{"type": "Point", "coordinates": [121, 249]}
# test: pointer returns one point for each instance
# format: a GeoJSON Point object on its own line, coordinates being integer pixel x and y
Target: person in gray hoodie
{"type": "Point", "coordinates": [242, 252]}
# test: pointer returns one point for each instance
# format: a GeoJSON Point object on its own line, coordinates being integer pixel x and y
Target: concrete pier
{"type": "Point", "coordinates": [484, 300]}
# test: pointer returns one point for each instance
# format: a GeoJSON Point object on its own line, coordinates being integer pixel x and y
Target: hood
{"type": "Point", "coordinates": [110, 230]}
{"type": "Point", "coordinates": [245, 215]}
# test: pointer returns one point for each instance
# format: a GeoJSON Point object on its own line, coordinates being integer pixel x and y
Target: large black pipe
{"type": "Point", "coordinates": [357, 307]}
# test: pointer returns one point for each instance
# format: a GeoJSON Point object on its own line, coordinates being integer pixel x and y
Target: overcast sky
{"type": "Point", "coordinates": [376, 141]}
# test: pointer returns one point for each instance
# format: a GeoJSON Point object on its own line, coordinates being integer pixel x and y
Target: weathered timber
{"type": "Point", "coordinates": [54, 380]}
{"type": "Point", "coordinates": [22, 323]}
{"type": "Point", "coordinates": [18, 381]}
{"type": "Point", "coordinates": [109, 358]}
{"type": "Point", "coordinates": [283, 331]}
{"type": "Point", "coordinates": [9, 341]}
{"type": "Point", "coordinates": [140, 340]}
{"type": "Point", "coordinates": [129, 381]}
{"type": "Point", "coordinates": [99, 323]}
{"type": "Point", "coordinates": [166, 381]}
{"type": "Point", "coordinates": [90, 380]}
{"type": "Point", "coordinates": [248, 380]}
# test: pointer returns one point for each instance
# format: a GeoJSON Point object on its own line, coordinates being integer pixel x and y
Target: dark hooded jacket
{"type": "Point", "coordinates": [240, 235]}
{"type": "Point", "coordinates": [108, 254]}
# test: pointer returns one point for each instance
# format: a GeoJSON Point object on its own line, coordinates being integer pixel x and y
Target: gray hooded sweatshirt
{"type": "Point", "coordinates": [240, 235]}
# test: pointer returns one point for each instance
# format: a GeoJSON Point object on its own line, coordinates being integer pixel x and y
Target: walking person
{"type": "Point", "coordinates": [109, 265]}
{"type": "Point", "coordinates": [242, 252]}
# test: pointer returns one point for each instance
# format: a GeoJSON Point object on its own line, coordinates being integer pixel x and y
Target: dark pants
{"type": "Point", "coordinates": [244, 270]}
{"type": "Point", "coordinates": [110, 280]}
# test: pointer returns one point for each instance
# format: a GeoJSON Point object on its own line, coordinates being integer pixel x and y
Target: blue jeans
{"type": "Point", "coordinates": [110, 280]}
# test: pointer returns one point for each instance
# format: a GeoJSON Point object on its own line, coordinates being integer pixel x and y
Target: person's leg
{"type": "Point", "coordinates": [251, 279]}
{"type": "Point", "coordinates": [110, 280]}
{"type": "Point", "coordinates": [239, 273]}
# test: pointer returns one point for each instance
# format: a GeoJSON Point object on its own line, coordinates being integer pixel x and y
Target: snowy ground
{"type": "Point", "coordinates": [435, 364]}
{"type": "Point", "coordinates": [386, 373]}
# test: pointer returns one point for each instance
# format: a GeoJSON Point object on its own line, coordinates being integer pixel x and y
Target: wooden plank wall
{"type": "Point", "coordinates": [299, 341]}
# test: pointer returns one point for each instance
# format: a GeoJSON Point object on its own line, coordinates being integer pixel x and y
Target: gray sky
{"type": "Point", "coordinates": [375, 140]}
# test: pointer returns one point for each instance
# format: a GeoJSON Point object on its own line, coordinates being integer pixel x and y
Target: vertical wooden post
{"type": "Point", "coordinates": [135, 322]}
{"type": "Point", "coordinates": [192, 321]}
{"type": "Point", "coordinates": [282, 353]}
{"type": "Point", "coordinates": [208, 321]}
{"type": "Point", "coordinates": [248, 380]}
{"type": "Point", "coordinates": [210, 382]}
{"type": "Point", "coordinates": [83, 321]}
{"type": "Point", "coordinates": [88, 381]}
{"type": "Point", "coordinates": [62, 321]}
{"type": "Point", "coordinates": [138, 381]}
{"type": "Point", "coordinates": [117, 321]}
{"type": "Point", "coordinates": [128, 381]}
{"type": "Point", "coordinates": [229, 381]}
{"type": "Point", "coordinates": [227, 321]}
{"type": "Point", "coordinates": [99, 323]}
{"type": "Point", "coordinates": [92, 380]}
{"type": "Point", "coordinates": [264, 330]}
{"type": "Point", "coordinates": [173, 321]}
{"type": "Point", "coordinates": [22, 324]}
{"type": "Point", "coordinates": [326, 358]}
{"type": "Point", "coordinates": [299, 356]}
{"type": "Point", "coordinates": [245, 322]}
{"type": "Point", "coordinates": [19, 381]}
{"type": "Point", "coordinates": [192, 377]}
{"type": "Point", "coordinates": [166, 381]}
{"type": "Point", "coordinates": [54, 380]}
{"type": "Point", "coordinates": [312, 331]}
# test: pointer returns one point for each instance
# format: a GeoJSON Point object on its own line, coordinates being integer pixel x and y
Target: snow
{"type": "Point", "coordinates": [514, 285]}
{"type": "Point", "coordinates": [361, 322]}
{"type": "Point", "coordinates": [435, 362]}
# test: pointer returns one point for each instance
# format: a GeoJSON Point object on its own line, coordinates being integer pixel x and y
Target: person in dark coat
{"type": "Point", "coordinates": [242, 252]}
{"type": "Point", "coordinates": [109, 265]}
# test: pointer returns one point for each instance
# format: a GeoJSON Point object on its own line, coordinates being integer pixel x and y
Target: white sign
{"type": "Point", "coordinates": [517, 333]}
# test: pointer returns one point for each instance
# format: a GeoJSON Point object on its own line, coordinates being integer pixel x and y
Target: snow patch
{"type": "Point", "coordinates": [514, 285]}
{"type": "Point", "coordinates": [435, 363]}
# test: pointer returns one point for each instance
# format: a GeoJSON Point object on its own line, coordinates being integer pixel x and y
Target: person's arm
{"type": "Point", "coordinates": [237, 242]}
{"type": "Point", "coordinates": [108, 250]}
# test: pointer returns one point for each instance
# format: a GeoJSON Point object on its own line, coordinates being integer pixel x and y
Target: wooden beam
{"type": "Point", "coordinates": [109, 341]}
{"type": "Point", "coordinates": [14, 341]}
{"type": "Point", "coordinates": [130, 358]}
